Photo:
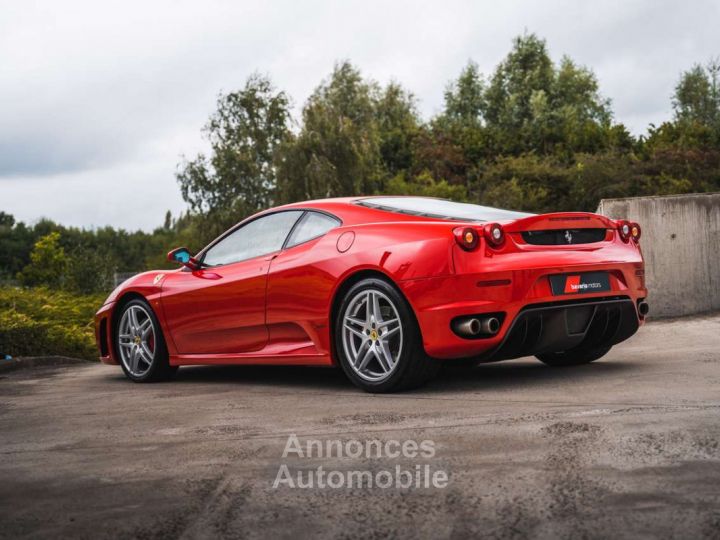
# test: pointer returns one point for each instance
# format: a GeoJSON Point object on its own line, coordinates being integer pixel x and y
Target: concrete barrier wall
{"type": "Point", "coordinates": [681, 245]}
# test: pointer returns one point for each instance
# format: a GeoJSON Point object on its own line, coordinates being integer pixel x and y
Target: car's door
{"type": "Point", "coordinates": [298, 284]}
{"type": "Point", "coordinates": [220, 309]}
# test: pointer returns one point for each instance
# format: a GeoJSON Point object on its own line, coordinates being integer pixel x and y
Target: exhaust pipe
{"type": "Point", "coordinates": [468, 327]}
{"type": "Point", "coordinates": [643, 308]}
{"type": "Point", "coordinates": [490, 325]}
{"type": "Point", "coordinates": [472, 326]}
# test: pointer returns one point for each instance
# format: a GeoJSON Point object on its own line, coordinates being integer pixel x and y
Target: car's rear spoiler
{"type": "Point", "coordinates": [560, 220]}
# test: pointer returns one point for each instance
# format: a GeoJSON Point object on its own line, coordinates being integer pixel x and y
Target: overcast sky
{"type": "Point", "coordinates": [98, 100]}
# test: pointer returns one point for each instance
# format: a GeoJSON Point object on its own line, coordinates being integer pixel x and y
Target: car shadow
{"type": "Point", "coordinates": [526, 373]}
{"type": "Point", "coordinates": [514, 374]}
{"type": "Point", "coordinates": [313, 378]}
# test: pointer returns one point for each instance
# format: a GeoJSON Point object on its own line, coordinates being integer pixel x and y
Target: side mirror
{"type": "Point", "coordinates": [182, 255]}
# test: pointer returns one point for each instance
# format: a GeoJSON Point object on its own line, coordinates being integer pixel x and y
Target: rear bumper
{"type": "Point", "coordinates": [516, 295]}
{"type": "Point", "coordinates": [560, 326]}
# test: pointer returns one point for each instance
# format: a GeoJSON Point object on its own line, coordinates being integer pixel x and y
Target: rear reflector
{"type": "Point", "coordinates": [493, 283]}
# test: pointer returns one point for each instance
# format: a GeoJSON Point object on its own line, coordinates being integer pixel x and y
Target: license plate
{"type": "Point", "coordinates": [588, 282]}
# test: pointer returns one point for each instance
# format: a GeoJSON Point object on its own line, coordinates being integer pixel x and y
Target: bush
{"type": "Point", "coordinates": [40, 321]}
{"type": "Point", "coordinates": [19, 334]}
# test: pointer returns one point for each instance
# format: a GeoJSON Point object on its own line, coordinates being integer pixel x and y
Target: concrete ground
{"type": "Point", "coordinates": [626, 447]}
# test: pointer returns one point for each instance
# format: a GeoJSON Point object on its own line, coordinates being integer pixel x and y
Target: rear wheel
{"type": "Point", "coordinates": [573, 357]}
{"type": "Point", "coordinates": [140, 344]}
{"type": "Point", "coordinates": [378, 341]}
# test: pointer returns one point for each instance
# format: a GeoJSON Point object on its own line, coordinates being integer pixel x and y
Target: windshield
{"type": "Point", "coordinates": [440, 208]}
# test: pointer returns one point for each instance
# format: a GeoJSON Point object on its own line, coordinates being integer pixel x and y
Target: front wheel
{"type": "Point", "coordinates": [378, 341]}
{"type": "Point", "coordinates": [140, 344]}
{"type": "Point", "coordinates": [573, 357]}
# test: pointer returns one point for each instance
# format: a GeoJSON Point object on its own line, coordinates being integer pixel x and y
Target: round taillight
{"type": "Point", "coordinates": [467, 238]}
{"type": "Point", "coordinates": [494, 234]}
{"type": "Point", "coordinates": [635, 231]}
{"type": "Point", "coordinates": [624, 230]}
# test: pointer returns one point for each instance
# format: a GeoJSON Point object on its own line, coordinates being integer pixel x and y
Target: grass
{"type": "Point", "coordinates": [41, 321]}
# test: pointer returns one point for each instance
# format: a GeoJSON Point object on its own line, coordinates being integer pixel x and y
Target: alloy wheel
{"type": "Point", "coordinates": [372, 335]}
{"type": "Point", "coordinates": [136, 340]}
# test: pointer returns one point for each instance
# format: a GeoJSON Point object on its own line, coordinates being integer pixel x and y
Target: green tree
{"type": "Point", "coordinates": [442, 153]}
{"type": "Point", "coordinates": [528, 182]}
{"type": "Point", "coordinates": [611, 175]}
{"type": "Point", "coordinates": [532, 105]}
{"type": "Point", "coordinates": [398, 126]}
{"type": "Point", "coordinates": [458, 134]}
{"type": "Point", "coordinates": [239, 177]}
{"type": "Point", "coordinates": [48, 263]}
{"type": "Point", "coordinates": [424, 185]}
{"type": "Point", "coordinates": [697, 95]}
{"type": "Point", "coordinates": [465, 97]}
{"type": "Point", "coordinates": [696, 102]}
{"type": "Point", "coordinates": [337, 152]}
{"type": "Point", "coordinates": [529, 107]}
{"type": "Point", "coordinates": [16, 241]}
{"type": "Point", "coordinates": [6, 220]}
{"type": "Point", "coordinates": [519, 94]}
{"type": "Point", "coordinates": [89, 271]}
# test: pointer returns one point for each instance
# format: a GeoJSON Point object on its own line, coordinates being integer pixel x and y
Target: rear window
{"type": "Point", "coordinates": [440, 209]}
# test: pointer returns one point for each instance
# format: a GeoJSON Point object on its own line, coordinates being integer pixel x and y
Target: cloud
{"type": "Point", "coordinates": [133, 196]}
{"type": "Point", "coordinates": [94, 91]}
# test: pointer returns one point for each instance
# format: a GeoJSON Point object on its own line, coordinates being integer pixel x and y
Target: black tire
{"type": "Point", "coordinates": [159, 369]}
{"type": "Point", "coordinates": [412, 368]}
{"type": "Point", "coordinates": [573, 357]}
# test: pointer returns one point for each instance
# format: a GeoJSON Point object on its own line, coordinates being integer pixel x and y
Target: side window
{"type": "Point", "coordinates": [311, 226]}
{"type": "Point", "coordinates": [259, 237]}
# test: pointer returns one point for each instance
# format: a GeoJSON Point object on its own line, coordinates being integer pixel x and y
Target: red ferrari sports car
{"type": "Point", "coordinates": [385, 287]}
